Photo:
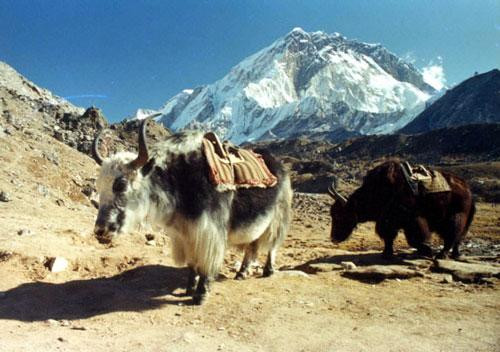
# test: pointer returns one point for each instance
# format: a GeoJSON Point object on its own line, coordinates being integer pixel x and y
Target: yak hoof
{"type": "Point", "coordinates": [267, 272]}
{"type": "Point", "coordinates": [190, 291]}
{"type": "Point", "coordinates": [456, 256]}
{"type": "Point", "coordinates": [199, 299]}
{"type": "Point", "coordinates": [388, 256]}
{"type": "Point", "coordinates": [240, 276]}
{"type": "Point", "coordinates": [441, 255]}
{"type": "Point", "coordinates": [424, 252]}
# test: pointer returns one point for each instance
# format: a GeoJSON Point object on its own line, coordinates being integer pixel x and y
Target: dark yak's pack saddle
{"type": "Point", "coordinates": [423, 181]}
{"type": "Point", "coordinates": [232, 167]}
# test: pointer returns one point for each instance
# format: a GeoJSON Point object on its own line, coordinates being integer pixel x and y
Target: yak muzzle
{"type": "Point", "coordinates": [104, 235]}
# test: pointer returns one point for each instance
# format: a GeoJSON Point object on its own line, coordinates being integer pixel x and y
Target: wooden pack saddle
{"type": "Point", "coordinates": [422, 180]}
{"type": "Point", "coordinates": [232, 167]}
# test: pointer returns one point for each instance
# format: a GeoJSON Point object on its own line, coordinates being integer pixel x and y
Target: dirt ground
{"type": "Point", "coordinates": [128, 296]}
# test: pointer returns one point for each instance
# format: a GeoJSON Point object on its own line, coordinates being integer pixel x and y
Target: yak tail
{"type": "Point", "coordinates": [472, 212]}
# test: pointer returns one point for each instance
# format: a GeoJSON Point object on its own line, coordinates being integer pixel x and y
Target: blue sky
{"type": "Point", "coordinates": [123, 55]}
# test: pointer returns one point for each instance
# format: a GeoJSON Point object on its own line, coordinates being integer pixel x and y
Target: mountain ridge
{"type": "Point", "coordinates": [305, 82]}
{"type": "Point", "coordinates": [475, 100]}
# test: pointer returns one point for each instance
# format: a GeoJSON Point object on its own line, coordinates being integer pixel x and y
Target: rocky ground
{"type": "Point", "coordinates": [62, 290]}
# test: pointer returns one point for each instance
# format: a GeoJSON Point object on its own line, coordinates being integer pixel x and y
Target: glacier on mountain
{"type": "Point", "coordinates": [305, 84]}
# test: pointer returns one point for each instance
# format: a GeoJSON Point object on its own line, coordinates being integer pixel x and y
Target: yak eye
{"type": "Point", "coordinates": [120, 185]}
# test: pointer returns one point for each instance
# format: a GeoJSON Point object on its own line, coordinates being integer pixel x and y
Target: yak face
{"type": "Point", "coordinates": [123, 202]}
{"type": "Point", "coordinates": [344, 220]}
{"type": "Point", "coordinates": [343, 213]}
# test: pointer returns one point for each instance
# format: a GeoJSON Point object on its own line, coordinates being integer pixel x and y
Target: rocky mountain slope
{"type": "Point", "coordinates": [476, 100]}
{"type": "Point", "coordinates": [302, 84]}
{"type": "Point", "coordinates": [25, 106]}
{"type": "Point", "coordinates": [471, 151]}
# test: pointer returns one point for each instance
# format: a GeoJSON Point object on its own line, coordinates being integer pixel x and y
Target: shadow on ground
{"type": "Point", "coordinates": [361, 259]}
{"type": "Point", "coordinates": [134, 290]}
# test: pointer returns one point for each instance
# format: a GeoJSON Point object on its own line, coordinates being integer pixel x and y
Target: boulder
{"type": "Point", "coordinates": [382, 272]}
{"type": "Point", "coordinates": [467, 272]}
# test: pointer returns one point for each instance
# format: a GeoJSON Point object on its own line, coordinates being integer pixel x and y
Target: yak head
{"type": "Point", "coordinates": [343, 213]}
{"type": "Point", "coordinates": [123, 191]}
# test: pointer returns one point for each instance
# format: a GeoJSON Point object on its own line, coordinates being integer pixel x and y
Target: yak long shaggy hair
{"type": "Point", "coordinates": [385, 198]}
{"type": "Point", "coordinates": [171, 190]}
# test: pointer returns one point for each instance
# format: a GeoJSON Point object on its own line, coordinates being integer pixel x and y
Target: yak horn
{"type": "Point", "coordinates": [143, 156]}
{"type": "Point", "coordinates": [95, 149]}
{"type": "Point", "coordinates": [335, 194]}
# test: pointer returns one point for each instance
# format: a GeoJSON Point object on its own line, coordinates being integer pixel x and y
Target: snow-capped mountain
{"type": "Point", "coordinates": [305, 83]}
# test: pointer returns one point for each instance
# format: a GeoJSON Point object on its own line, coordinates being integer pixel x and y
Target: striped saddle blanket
{"type": "Point", "coordinates": [232, 167]}
{"type": "Point", "coordinates": [422, 180]}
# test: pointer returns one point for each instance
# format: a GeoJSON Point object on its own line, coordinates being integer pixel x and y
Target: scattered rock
{"type": "Point", "coordinates": [52, 322]}
{"type": "Point", "coordinates": [447, 279]}
{"type": "Point", "coordinates": [57, 264]}
{"type": "Point", "coordinates": [418, 263]}
{"type": "Point", "coordinates": [151, 243]}
{"type": "Point", "coordinates": [43, 190]}
{"type": "Point", "coordinates": [382, 272]}
{"type": "Point", "coordinates": [25, 232]}
{"type": "Point", "coordinates": [467, 272]}
{"type": "Point", "coordinates": [324, 267]}
{"type": "Point", "coordinates": [290, 273]}
{"type": "Point", "coordinates": [5, 255]}
{"type": "Point", "coordinates": [5, 197]}
{"type": "Point", "coordinates": [348, 265]}
{"type": "Point", "coordinates": [150, 237]}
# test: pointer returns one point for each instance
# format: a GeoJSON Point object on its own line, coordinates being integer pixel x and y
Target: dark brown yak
{"type": "Point", "coordinates": [385, 197]}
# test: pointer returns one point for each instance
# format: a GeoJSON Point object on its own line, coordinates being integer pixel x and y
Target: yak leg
{"type": "Point", "coordinates": [269, 267]}
{"type": "Point", "coordinates": [250, 255]}
{"type": "Point", "coordinates": [417, 233]}
{"type": "Point", "coordinates": [191, 282]}
{"type": "Point", "coordinates": [201, 292]}
{"type": "Point", "coordinates": [452, 237]}
{"type": "Point", "coordinates": [388, 234]}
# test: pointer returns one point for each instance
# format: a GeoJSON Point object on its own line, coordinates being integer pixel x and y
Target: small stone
{"type": "Point", "coordinates": [65, 323]}
{"type": "Point", "coordinates": [5, 197]}
{"type": "Point", "coordinates": [52, 322]}
{"type": "Point", "coordinates": [150, 237]}
{"type": "Point", "coordinates": [348, 265]}
{"type": "Point", "coordinates": [325, 267]}
{"type": "Point", "coordinates": [447, 279]}
{"type": "Point", "coordinates": [57, 264]}
{"type": "Point", "coordinates": [221, 328]}
{"type": "Point", "coordinates": [291, 273]}
{"type": "Point", "coordinates": [25, 232]}
{"type": "Point", "coordinates": [151, 243]}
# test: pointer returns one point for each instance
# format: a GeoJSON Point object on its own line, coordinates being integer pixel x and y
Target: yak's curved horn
{"type": "Point", "coordinates": [95, 149]}
{"type": "Point", "coordinates": [334, 193]}
{"type": "Point", "coordinates": [143, 156]}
